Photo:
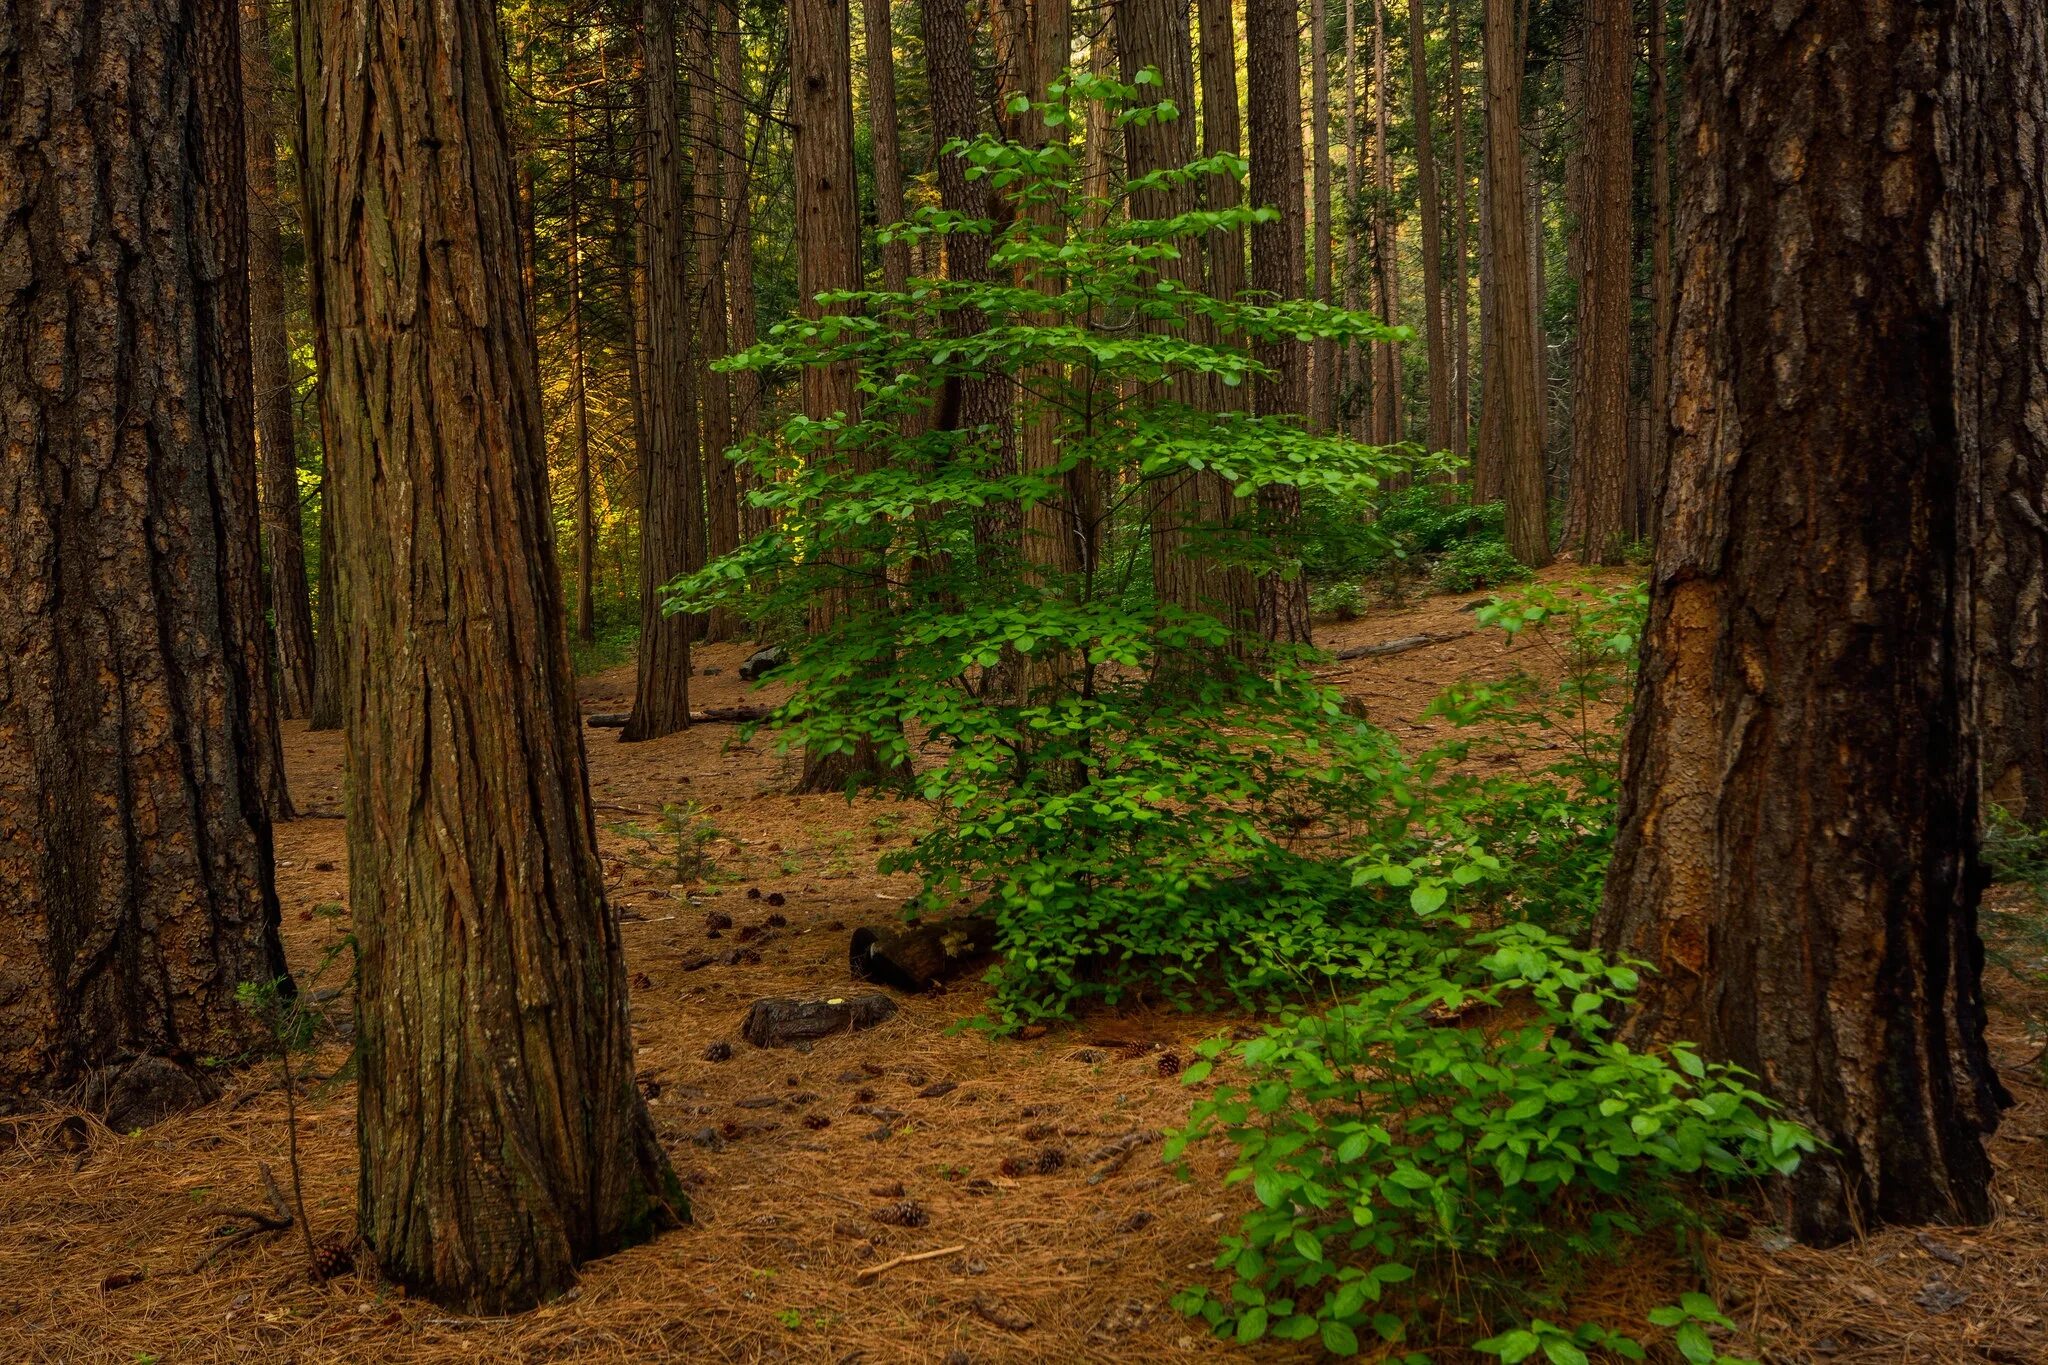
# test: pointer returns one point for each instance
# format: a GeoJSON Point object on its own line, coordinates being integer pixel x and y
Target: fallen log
{"type": "Point", "coordinates": [776, 1022]}
{"type": "Point", "coordinates": [710, 715]}
{"type": "Point", "coordinates": [918, 956]}
{"type": "Point", "coordinates": [1400, 646]}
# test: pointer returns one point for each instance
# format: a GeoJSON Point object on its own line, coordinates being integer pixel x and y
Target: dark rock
{"type": "Point", "coordinates": [919, 956]}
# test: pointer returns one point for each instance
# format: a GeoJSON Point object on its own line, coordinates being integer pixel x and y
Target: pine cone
{"type": "Point", "coordinates": [334, 1256]}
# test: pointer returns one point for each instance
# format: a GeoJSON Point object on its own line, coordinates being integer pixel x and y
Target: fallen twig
{"type": "Point", "coordinates": [887, 1266]}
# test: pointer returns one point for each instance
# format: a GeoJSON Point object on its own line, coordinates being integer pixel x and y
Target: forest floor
{"type": "Point", "coordinates": [110, 1244]}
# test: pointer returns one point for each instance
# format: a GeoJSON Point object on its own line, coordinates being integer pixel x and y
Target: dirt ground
{"type": "Point", "coordinates": [807, 1168]}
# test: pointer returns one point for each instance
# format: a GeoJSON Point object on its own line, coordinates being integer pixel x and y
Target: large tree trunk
{"type": "Point", "coordinates": [1996, 161]}
{"type": "Point", "coordinates": [721, 484]}
{"type": "Point", "coordinates": [668, 497]}
{"type": "Point", "coordinates": [1432, 234]}
{"type": "Point", "coordinates": [501, 1138]}
{"type": "Point", "coordinates": [1514, 396]}
{"type": "Point", "coordinates": [137, 739]}
{"type": "Point", "coordinates": [828, 261]}
{"type": "Point", "coordinates": [284, 542]}
{"type": "Point", "coordinates": [1797, 851]}
{"type": "Point", "coordinates": [1273, 78]}
{"type": "Point", "coordinates": [1600, 355]}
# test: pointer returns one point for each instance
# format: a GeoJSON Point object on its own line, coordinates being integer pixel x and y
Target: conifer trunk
{"type": "Point", "coordinates": [501, 1138]}
{"type": "Point", "coordinates": [1322, 374]}
{"type": "Point", "coordinates": [1996, 163]}
{"type": "Point", "coordinates": [1432, 234]}
{"type": "Point", "coordinates": [828, 261]}
{"type": "Point", "coordinates": [284, 541]}
{"type": "Point", "coordinates": [1797, 852]}
{"type": "Point", "coordinates": [668, 502]}
{"type": "Point", "coordinates": [721, 484]}
{"type": "Point", "coordinates": [137, 740]}
{"type": "Point", "coordinates": [1461, 276]}
{"type": "Point", "coordinates": [1600, 357]}
{"type": "Point", "coordinates": [1514, 395]}
{"type": "Point", "coordinates": [1273, 78]}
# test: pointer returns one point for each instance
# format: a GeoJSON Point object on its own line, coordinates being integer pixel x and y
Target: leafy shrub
{"type": "Point", "coordinates": [1386, 1141]}
{"type": "Point", "coordinates": [1471, 565]}
{"type": "Point", "coordinates": [1146, 794]}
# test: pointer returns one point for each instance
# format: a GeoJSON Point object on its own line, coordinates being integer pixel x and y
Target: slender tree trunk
{"type": "Point", "coordinates": [738, 179]}
{"type": "Point", "coordinates": [1322, 374]}
{"type": "Point", "coordinates": [137, 737]}
{"type": "Point", "coordinates": [1101, 134]}
{"type": "Point", "coordinates": [579, 398]}
{"type": "Point", "coordinates": [1461, 276]}
{"type": "Point", "coordinates": [1432, 234]}
{"type": "Point", "coordinates": [1657, 449]}
{"type": "Point", "coordinates": [1354, 256]}
{"type": "Point", "coordinates": [828, 260]}
{"type": "Point", "coordinates": [1600, 354]}
{"type": "Point", "coordinates": [984, 401]}
{"type": "Point", "coordinates": [721, 484]}
{"type": "Point", "coordinates": [661, 691]}
{"type": "Point", "coordinates": [501, 1138]}
{"type": "Point", "coordinates": [889, 202]}
{"type": "Point", "coordinates": [1995, 157]}
{"type": "Point", "coordinates": [1515, 391]}
{"type": "Point", "coordinates": [270, 357]}
{"type": "Point", "coordinates": [1273, 78]}
{"type": "Point", "coordinates": [1797, 851]}
{"type": "Point", "coordinates": [1386, 383]}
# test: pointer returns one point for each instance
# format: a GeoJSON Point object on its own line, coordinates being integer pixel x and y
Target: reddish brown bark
{"type": "Point", "coordinates": [1796, 854]}
{"type": "Point", "coordinates": [501, 1139]}
{"type": "Point", "coordinates": [1600, 441]}
{"type": "Point", "coordinates": [669, 501]}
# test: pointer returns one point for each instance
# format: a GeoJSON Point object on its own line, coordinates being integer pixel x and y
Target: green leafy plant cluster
{"type": "Point", "coordinates": [1471, 565]}
{"type": "Point", "coordinates": [1148, 794]}
{"type": "Point", "coordinates": [1460, 1127]}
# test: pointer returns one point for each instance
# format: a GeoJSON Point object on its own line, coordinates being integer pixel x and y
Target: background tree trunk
{"type": "Point", "coordinates": [1996, 161]}
{"type": "Point", "coordinates": [1273, 80]}
{"type": "Point", "coordinates": [1514, 394]}
{"type": "Point", "coordinates": [1797, 851]}
{"type": "Point", "coordinates": [1322, 377]}
{"type": "Point", "coordinates": [880, 33]}
{"type": "Point", "coordinates": [1461, 275]}
{"type": "Point", "coordinates": [668, 507]}
{"type": "Point", "coordinates": [1386, 246]}
{"type": "Point", "coordinates": [1656, 450]}
{"type": "Point", "coordinates": [1354, 253]}
{"type": "Point", "coordinates": [1600, 355]}
{"type": "Point", "coordinates": [737, 176]}
{"type": "Point", "coordinates": [137, 740]}
{"type": "Point", "coordinates": [501, 1138]}
{"type": "Point", "coordinates": [721, 484]}
{"type": "Point", "coordinates": [270, 357]}
{"type": "Point", "coordinates": [828, 260]}
{"type": "Point", "coordinates": [1432, 234]}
